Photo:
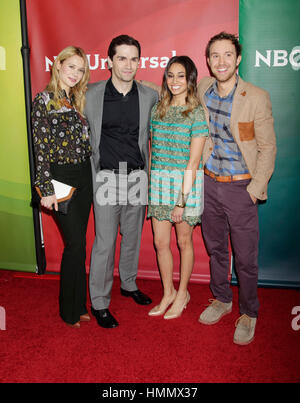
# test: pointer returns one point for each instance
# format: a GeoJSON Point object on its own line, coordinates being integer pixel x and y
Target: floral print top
{"type": "Point", "coordinates": [60, 135]}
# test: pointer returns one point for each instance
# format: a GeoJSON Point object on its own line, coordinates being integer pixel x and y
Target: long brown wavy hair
{"type": "Point", "coordinates": [191, 73]}
{"type": "Point", "coordinates": [77, 93]}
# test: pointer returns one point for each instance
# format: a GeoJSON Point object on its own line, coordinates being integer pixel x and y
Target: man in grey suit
{"type": "Point", "coordinates": [118, 111]}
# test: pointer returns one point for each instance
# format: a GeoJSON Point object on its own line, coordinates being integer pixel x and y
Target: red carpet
{"type": "Point", "coordinates": [38, 347]}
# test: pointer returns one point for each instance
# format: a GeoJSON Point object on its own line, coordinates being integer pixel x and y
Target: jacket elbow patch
{"type": "Point", "coordinates": [246, 130]}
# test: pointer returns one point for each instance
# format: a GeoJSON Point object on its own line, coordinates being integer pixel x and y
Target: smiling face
{"type": "Point", "coordinates": [124, 63]}
{"type": "Point", "coordinates": [223, 61]}
{"type": "Point", "coordinates": [177, 83]}
{"type": "Point", "coordinates": [70, 72]}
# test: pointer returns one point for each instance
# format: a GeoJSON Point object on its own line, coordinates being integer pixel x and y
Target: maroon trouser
{"type": "Point", "coordinates": [228, 209]}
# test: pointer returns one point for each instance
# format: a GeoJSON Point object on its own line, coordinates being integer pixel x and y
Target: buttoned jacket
{"type": "Point", "coordinates": [252, 127]}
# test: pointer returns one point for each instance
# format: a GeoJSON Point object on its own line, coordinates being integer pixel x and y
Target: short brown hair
{"type": "Point", "coordinates": [224, 36]}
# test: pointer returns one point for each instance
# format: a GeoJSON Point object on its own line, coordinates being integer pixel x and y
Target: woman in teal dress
{"type": "Point", "coordinates": [178, 134]}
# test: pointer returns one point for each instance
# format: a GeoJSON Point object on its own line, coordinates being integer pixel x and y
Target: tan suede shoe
{"type": "Point", "coordinates": [215, 311]}
{"type": "Point", "coordinates": [245, 329]}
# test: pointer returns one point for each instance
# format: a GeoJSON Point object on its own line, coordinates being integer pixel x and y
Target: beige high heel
{"type": "Point", "coordinates": [157, 312]}
{"type": "Point", "coordinates": [175, 314]}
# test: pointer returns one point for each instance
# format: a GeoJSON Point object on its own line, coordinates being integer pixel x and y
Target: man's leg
{"type": "Point", "coordinates": [131, 225]}
{"type": "Point", "coordinates": [244, 231]}
{"type": "Point", "coordinates": [215, 232]}
{"type": "Point", "coordinates": [103, 254]}
{"type": "Point", "coordinates": [243, 221]}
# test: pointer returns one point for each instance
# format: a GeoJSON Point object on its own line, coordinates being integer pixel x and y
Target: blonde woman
{"type": "Point", "coordinates": [178, 134]}
{"type": "Point", "coordinates": [62, 152]}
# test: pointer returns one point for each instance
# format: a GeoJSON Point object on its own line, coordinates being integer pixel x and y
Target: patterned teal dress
{"type": "Point", "coordinates": [171, 140]}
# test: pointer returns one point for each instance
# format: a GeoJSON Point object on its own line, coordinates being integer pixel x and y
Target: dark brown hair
{"type": "Point", "coordinates": [122, 40]}
{"type": "Point", "coordinates": [191, 78]}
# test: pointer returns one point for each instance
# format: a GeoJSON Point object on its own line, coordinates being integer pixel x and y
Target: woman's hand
{"type": "Point", "coordinates": [177, 214]}
{"type": "Point", "coordinates": [48, 202]}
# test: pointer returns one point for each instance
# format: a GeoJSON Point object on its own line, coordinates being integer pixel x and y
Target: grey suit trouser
{"type": "Point", "coordinates": [108, 219]}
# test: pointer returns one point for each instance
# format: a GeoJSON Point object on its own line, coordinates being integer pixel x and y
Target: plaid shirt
{"type": "Point", "coordinates": [226, 158]}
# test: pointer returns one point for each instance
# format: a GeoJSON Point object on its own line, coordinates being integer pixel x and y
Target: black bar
{"type": "Point", "coordinates": [25, 50]}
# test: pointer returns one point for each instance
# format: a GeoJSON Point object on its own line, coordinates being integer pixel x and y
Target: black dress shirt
{"type": "Point", "coordinates": [120, 129]}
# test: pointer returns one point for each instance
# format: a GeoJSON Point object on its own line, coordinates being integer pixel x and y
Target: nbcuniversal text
{"type": "Point", "coordinates": [99, 63]}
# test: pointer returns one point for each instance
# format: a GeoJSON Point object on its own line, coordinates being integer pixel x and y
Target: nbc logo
{"type": "Point", "coordinates": [279, 58]}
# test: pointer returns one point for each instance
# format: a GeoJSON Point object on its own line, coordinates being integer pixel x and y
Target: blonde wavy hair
{"type": "Point", "coordinates": [78, 91]}
{"type": "Point", "coordinates": [191, 73]}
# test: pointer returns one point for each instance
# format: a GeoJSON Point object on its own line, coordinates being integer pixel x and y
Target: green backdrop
{"type": "Point", "coordinates": [269, 32]}
{"type": "Point", "coordinates": [17, 248]}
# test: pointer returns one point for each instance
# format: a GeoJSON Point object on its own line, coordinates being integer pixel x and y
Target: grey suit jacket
{"type": "Point", "coordinates": [94, 111]}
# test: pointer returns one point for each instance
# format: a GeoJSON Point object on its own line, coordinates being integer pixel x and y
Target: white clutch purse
{"type": "Point", "coordinates": [62, 191]}
{"type": "Point", "coordinates": [64, 194]}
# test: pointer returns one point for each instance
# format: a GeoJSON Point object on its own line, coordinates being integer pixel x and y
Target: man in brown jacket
{"type": "Point", "coordinates": [239, 159]}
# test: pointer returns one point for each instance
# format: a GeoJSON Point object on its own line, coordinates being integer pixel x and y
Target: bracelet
{"type": "Point", "coordinates": [181, 201]}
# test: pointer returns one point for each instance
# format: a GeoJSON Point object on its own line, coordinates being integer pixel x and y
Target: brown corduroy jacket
{"type": "Point", "coordinates": [252, 127]}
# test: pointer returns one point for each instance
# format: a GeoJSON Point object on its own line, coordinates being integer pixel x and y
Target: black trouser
{"type": "Point", "coordinates": [73, 287]}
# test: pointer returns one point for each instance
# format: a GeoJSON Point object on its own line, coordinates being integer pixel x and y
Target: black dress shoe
{"type": "Point", "coordinates": [104, 318]}
{"type": "Point", "coordinates": [138, 296]}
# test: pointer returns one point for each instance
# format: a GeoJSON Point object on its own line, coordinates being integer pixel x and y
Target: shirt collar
{"type": "Point", "coordinates": [214, 88]}
{"type": "Point", "coordinates": [113, 91]}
